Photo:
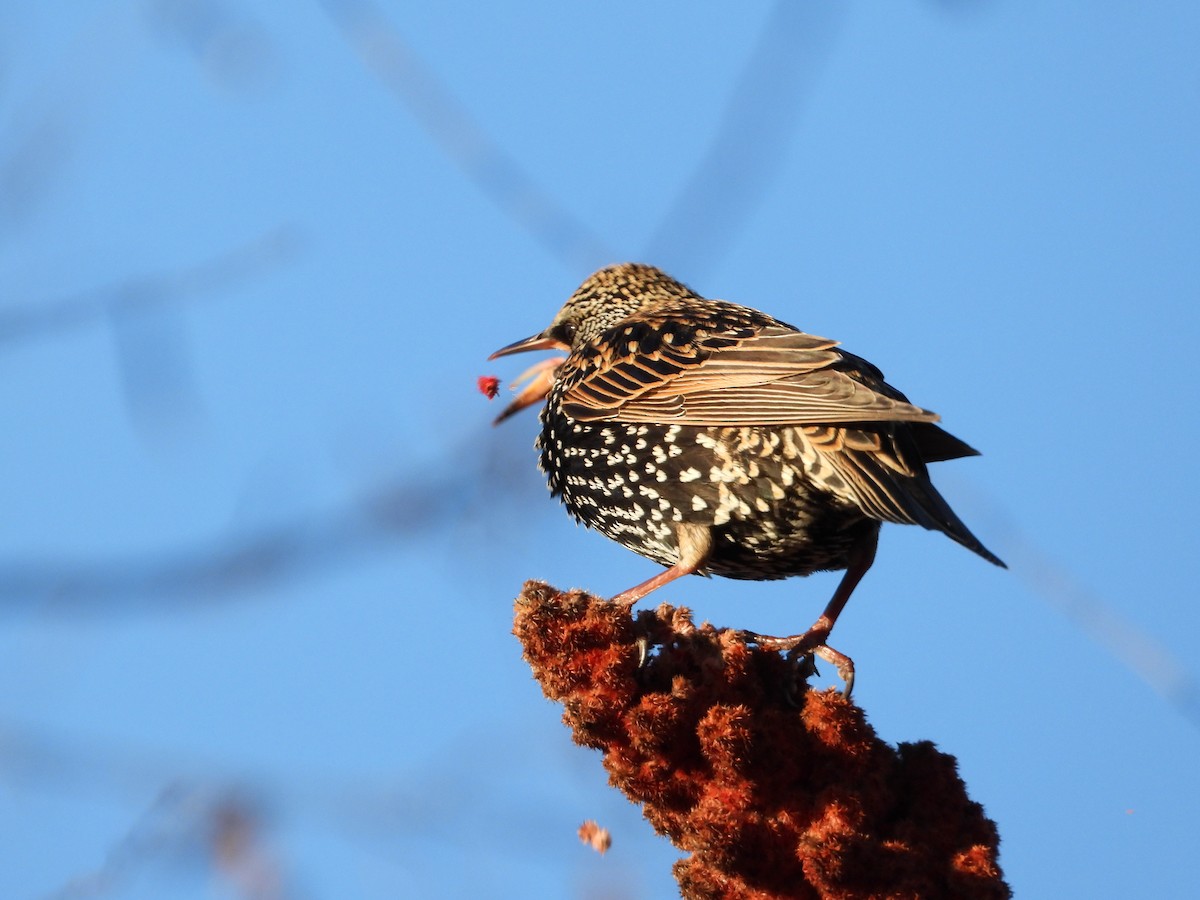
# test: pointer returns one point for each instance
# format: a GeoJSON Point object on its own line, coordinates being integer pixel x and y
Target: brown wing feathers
{"type": "Point", "coordinates": [773, 377]}
{"type": "Point", "coordinates": [779, 376]}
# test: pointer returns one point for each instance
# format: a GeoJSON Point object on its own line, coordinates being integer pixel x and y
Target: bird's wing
{"type": "Point", "coordinates": [752, 376]}
{"type": "Point", "coordinates": [880, 470]}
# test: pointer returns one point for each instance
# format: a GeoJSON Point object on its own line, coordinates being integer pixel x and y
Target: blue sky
{"type": "Point", "coordinates": [259, 538]}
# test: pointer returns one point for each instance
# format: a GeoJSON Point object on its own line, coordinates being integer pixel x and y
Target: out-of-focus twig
{"type": "Point", "coordinates": [148, 330]}
{"type": "Point", "coordinates": [231, 46]}
{"type": "Point", "coordinates": [446, 120]}
{"type": "Point", "coordinates": [213, 572]}
{"type": "Point", "coordinates": [748, 148]}
{"type": "Point", "coordinates": [217, 820]}
{"type": "Point", "coordinates": [219, 829]}
{"type": "Point", "coordinates": [31, 321]}
{"type": "Point", "coordinates": [223, 815]}
{"type": "Point", "coordinates": [40, 136]}
{"type": "Point", "coordinates": [1125, 639]}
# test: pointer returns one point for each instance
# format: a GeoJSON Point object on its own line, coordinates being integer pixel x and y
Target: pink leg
{"type": "Point", "coordinates": [695, 543]}
{"type": "Point", "coordinates": [813, 641]}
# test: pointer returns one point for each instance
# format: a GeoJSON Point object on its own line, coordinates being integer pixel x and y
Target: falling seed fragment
{"type": "Point", "coordinates": [598, 838]}
{"type": "Point", "coordinates": [489, 386]}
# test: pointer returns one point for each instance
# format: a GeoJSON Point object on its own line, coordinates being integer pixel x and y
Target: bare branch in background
{"type": "Point", "coordinates": [190, 830]}
{"type": "Point", "coordinates": [1129, 642]}
{"type": "Point", "coordinates": [41, 134]}
{"type": "Point", "coordinates": [744, 157]}
{"type": "Point", "coordinates": [749, 148]}
{"type": "Point", "coordinates": [212, 572]}
{"type": "Point", "coordinates": [144, 315]}
{"type": "Point", "coordinates": [32, 321]}
{"type": "Point", "coordinates": [220, 818]}
{"type": "Point", "coordinates": [194, 824]}
{"type": "Point", "coordinates": [234, 50]}
{"type": "Point", "coordinates": [152, 353]}
{"type": "Point", "coordinates": [446, 120]}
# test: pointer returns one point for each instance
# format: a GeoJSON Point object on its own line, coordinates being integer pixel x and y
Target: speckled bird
{"type": "Point", "coordinates": [715, 439]}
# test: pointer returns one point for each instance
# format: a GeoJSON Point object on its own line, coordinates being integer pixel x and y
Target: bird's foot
{"type": "Point", "coordinates": [802, 650]}
{"type": "Point", "coordinates": [841, 662]}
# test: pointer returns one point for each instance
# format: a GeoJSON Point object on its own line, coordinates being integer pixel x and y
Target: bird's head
{"type": "Point", "coordinates": [606, 299]}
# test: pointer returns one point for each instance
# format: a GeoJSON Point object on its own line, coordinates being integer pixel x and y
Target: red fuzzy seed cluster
{"type": "Point", "coordinates": [774, 791]}
{"type": "Point", "coordinates": [489, 386]}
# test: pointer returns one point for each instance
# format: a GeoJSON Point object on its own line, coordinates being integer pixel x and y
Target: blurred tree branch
{"type": "Point", "coordinates": [468, 484]}
{"type": "Point", "coordinates": [20, 323]}
{"type": "Point", "coordinates": [748, 148]}
{"type": "Point", "coordinates": [446, 120]}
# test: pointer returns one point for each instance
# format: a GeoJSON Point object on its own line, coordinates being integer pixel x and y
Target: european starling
{"type": "Point", "coordinates": [715, 439]}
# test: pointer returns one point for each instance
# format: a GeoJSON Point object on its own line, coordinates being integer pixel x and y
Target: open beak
{"type": "Point", "coordinates": [540, 376]}
{"type": "Point", "coordinates": [536, 342]}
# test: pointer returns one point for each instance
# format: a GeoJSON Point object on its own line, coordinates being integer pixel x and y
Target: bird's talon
{"type": "Point", "coordinates": [643, 645]}
{"type": "Point", "coordinates": [841, 662]}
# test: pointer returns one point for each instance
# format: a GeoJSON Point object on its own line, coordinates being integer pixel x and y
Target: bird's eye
{"type": "Point", "coordinates": [567, 331]}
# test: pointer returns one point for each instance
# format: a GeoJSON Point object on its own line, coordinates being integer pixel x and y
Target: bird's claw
{"type": "Point", "coordinates": [643, 645]}
{"type": "Point", "coordinates": [802, 652]}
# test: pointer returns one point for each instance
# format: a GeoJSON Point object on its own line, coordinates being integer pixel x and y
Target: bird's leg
{"type": "Point", "coordinates": [695, 544]}
{"type": "Point", "coordinates": [858, 561]}
{"type": "Point", "coordinates": [540, 378]}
